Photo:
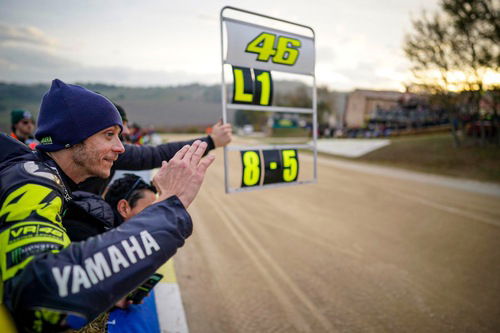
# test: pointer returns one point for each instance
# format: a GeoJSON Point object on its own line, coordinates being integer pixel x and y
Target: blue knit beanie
{"type": "Point", "coordinates": [69, 114]}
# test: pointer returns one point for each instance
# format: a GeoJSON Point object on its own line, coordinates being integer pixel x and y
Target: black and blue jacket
{"type": "Point", "coordinates": [48, 283]}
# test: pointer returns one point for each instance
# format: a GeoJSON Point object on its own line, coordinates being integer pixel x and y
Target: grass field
{"type": "Point", "coordinates": [436, 154]}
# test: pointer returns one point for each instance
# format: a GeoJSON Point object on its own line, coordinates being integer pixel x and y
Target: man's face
{"type": "Point", "coordinates": [97, 153]}
{"type": "Point", "coordinates": [148, 197]}
{"type": "Point", "coordinates": [25, 127]}
{"type": "Point", "coordinates": [126, 210]}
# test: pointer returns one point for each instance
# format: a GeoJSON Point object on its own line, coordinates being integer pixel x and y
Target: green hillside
{"type": "Point", "coordinates": [165, 107]}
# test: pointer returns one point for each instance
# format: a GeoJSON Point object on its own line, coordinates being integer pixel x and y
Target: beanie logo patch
{"type": "Point", "coordinates": [46, 140]}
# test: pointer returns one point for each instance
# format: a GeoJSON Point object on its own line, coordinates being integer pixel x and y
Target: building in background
{"type": "Point", "coordinates": [361, 103]}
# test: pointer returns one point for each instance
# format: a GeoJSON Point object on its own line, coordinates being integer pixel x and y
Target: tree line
{"type": "Point", "coordinates": [453, 53]}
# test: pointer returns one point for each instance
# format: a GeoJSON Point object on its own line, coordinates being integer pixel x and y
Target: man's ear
{"type": "Point", "coordinates": [123, 208]}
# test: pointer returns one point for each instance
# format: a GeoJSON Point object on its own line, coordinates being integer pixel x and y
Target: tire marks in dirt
{"type": "Point", "coordinates": [281, 284]}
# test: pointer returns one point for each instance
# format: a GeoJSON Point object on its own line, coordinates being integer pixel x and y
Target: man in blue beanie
{"type": "Point", "coordinates": [69, 114]}
{"type": "Point", "coordinates": [72, 124]}
{"type": "Point", "coordinates": [149, 157]}
{"type": "Point", "coordinates": [47, 283]}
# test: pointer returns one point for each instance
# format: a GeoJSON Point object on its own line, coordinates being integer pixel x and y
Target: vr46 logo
{"type": "Point", "coordinates": [32, 230]}
{"type": "Point", "coordinates": [285, 53]}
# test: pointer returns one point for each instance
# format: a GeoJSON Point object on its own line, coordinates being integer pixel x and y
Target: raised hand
{"type": "Point", "coordinates": [221, 134]}
{"type": "Point", "coordinates": [183, 174]}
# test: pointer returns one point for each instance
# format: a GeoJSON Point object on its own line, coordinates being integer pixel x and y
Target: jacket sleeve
{"type": "Point", "coordinates": [149, 157]}
{"type": "Point", "coordinates": [87, 278]}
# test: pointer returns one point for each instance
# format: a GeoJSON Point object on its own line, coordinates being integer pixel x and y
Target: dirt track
{"type": "Point", "coordinates": [354, 253]}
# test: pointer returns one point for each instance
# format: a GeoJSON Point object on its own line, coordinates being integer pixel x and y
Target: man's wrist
{"type": "Point", "coordinates": [170, 198]}
{"type": "Point", "coordinates": [210, 144]}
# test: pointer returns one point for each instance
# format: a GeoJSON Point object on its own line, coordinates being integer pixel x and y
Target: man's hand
{"type": "Point", "coordinates": [183, 174]}
{"type": "Point", "coordinates": [221, 134]}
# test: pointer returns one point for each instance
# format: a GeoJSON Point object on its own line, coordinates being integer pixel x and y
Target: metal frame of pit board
{"type": "Point", "coordinates": [228, 106]}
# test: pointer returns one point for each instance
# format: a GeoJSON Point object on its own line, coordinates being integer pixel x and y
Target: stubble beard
{"type": "Point", "coordinates": [87, 160]}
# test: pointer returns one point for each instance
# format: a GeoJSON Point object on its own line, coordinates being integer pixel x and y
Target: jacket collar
{"type": "Point", "coordinates": [68, 182]}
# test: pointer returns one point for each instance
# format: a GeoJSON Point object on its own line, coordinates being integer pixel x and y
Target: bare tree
{"type": "Point", "coordinates": [462, 39]}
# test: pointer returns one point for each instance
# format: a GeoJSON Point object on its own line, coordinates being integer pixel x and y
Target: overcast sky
{"type": "Point", "coordinates": [144, 43]}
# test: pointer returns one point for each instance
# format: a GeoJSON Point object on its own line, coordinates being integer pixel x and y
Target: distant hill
{"type": "Point", "coordinates": [174, 107]}
{"type": "Point", "coordinates": [166, 107]}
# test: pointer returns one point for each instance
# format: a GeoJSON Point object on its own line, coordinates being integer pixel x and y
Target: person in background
{"type": "Point", "coordinates": [90, 216]}
{"type": "Point", "coordinates": [23, 126]}
{"type": "Point", "coordinates": [136, 134]}
{"type": "Point", "coordinates": [128, 196]}
{"type": "Point", "coordinates": [125, 134]}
